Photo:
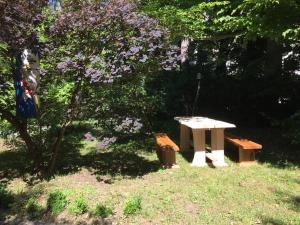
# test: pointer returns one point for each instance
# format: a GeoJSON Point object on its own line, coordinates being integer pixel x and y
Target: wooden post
{"type": "Point", "coordinates": [217, 146]}
{"type": "Point", "coordinates": [199, 147]}
{"type": "Point", "coordinates": [184, 138]}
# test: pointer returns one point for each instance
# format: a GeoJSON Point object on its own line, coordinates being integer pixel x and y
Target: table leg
{"type": "Point", "coordinates": [184, 138]}
{"type": "Point", "coordinates": [217, 146]}
{"type": "Point", "coordinates": [199, 148]}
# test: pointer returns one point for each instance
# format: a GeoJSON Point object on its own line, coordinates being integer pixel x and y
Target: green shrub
{"type": "Point", "coordinates": [132, 205]}
{"type": "Point", "coordinates": [33, 209]}
{"type": "Point", "coordinates": [56, 202]}
{"type": "Point", "coordinates": [102, 210]}
{"type": "Point", "coordinates": [79, 207]}
{"type": "Point", "coordinates": [6, 198]}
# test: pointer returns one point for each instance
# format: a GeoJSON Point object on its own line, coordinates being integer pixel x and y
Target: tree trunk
{"type": "Point", "coordinates": [75, 101]}
{"type": "Point", "coordinates": [21, 126]}
{"type": "Point", "coordinates": [185, 43]}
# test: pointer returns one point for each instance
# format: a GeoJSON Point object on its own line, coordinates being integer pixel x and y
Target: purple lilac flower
{"type": "Point", "coordinates": [3, 84]}
{"type": "Point", "coordinates": [95, 74]}
{"type": "Point", "coordinates": [144, 59]}
{"type": "Point", "coordinates": [62, 66]}
{"type": "Point", "coordinates": [95, 59]}
{"type": "Point", "coordinates": [126, 68]}
{"type": "Point", "coordinates": [156, 33]}
{"type": "Point", "coordinates": [129, 125]}
{"type": "Point", "coordinates": [135, 50]}
{"type": "Point", "coordinates": [8, 19]}
{"type": "Point", "coordinates": [137, 125]}
{"type": "Point", "coordinates": [78, 56]}
{"type": "Point", "coordinates": [42, 72]}
{"type": "Point", "coordinates": [89, 137]}
{"type": "Point", "coordinates": [104, 144]}
{"type": "Point", "coordinates": [68, 61]}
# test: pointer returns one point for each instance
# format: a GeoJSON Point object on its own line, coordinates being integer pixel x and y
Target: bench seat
{"type": "Point", "coordinates": [166, 150]}
{"type": "Point", "coordinates": [247, 149]}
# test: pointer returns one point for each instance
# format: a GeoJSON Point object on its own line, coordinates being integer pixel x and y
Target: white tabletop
{"type": "Point", "coordinates": [203, 123]}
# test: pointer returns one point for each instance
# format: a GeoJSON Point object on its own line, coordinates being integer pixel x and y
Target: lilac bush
{"type": "Point", "coordinates": [85, 49]}
{"type": "Point", "coordinates": [105, 142]}
{"type": "Point", "coordinates": [129, 125]}
{"type": "Point", "coordinates": [107, 42]}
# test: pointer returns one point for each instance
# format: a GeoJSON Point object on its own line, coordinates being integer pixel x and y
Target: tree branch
{"type": "Point", "coordinates": [221, 37]}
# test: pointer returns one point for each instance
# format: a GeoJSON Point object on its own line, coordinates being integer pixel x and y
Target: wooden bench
{"type": "Point", "coordinates": [166, 150]}
{"type": "Point", "coordinates": [247, 149]}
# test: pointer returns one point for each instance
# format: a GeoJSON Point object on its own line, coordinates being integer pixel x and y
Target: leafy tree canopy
{"type": "Point", "coordinates": [215, 20]}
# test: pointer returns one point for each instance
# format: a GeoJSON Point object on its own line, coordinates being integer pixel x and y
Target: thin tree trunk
{"type": "Point", "coordinates": [185, 43]}
{"type": "Point", "coordinates": [21, 126]}
{"type": "Point", "coordinates": [75, 101]}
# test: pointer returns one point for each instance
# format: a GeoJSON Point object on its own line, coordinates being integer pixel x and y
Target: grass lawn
{"type": "Point", "coordinates": [267, 193]}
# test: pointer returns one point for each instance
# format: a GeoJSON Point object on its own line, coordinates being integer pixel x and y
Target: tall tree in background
{"type": "Point", "coordinates": [226, 31]}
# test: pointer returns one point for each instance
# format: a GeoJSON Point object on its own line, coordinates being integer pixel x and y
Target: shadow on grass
{"type": "Point", "coordinates": [293, 201]}
{"type": "Point", "coordinates": [19, 211]}
{"type": "Point", "coordinates": [14, 164]}
{"type": "Point", "coordinates": [122, 159]}
{"type": "Point", "coordinates": [296, 203]}
{"type": "Point", "coordinates": [272, 221]}
{"type": "Point", "coordinates": [13, 207]}
{"type": "Point", "coordinates": [120, 163]}
{"type": "Point", "coordinates": [109, 162]}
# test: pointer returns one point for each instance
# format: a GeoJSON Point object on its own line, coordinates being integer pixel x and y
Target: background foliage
{"type": "Point", "coordinates": [247, 53]}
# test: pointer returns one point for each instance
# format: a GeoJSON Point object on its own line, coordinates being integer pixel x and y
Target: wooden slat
{"type": "Point", "coordinates": [244, 143]}
{"type": "Point", "coordinates": [164, 142]}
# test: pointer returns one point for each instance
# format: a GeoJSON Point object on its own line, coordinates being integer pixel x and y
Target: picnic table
{"type": "Point", "coordinates": [198, 126]}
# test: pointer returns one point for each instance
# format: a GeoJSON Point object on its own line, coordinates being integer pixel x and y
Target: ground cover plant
{"type": "Point", "coordinates": [132, 205]}
{"type": "Point", "coordinates": [33, 209]}
{"type": "Point", "coordinates": [79, 206]}
{"type": "Point", "coordinates": [56, 202]}
{"type": "Point", "coordinates": [103, 210]}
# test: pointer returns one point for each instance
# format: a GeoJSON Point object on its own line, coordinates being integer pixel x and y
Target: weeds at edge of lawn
{"type": "Point", "coordinates": [132, 205]}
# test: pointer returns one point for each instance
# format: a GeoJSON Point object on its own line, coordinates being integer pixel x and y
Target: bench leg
{"type": "Point", "coordinates": [217, 147]}
{"type": "Point", "coordinates": [171, 158]}
{"type": "Point", "coordinates": [199, 148]}
{"type": "Point", "coordinates": [159, 154]}
{"type": "Point", "coordinates": [184, 138]}
{"type": "Point", "coordinates": [246, 157]}
{"type": "Point", "coordinates": [168, 158]}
